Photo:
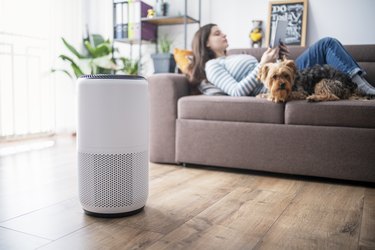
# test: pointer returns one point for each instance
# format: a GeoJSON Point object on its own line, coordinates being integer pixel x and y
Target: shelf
{"type": "Point", "coordinates": [148, 27]}
{"type": "Point", "coordinates": [133, 41]}
{"type": "Point", "coordinates": [170, 20]}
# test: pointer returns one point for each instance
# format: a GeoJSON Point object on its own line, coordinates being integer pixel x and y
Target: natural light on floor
{"type": "Point", "coordinates": [25, 147]}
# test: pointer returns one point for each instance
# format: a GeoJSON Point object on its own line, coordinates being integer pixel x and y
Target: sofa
{"type": "Point", "coordinates": [326, 139]}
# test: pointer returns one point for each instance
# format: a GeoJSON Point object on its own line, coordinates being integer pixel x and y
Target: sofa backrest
{"type": "Point", "coordinates": [363, 54]}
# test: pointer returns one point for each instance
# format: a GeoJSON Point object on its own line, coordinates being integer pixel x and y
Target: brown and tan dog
{"type": "Point", "coordinates": [279, 79]}
{"type": "Point", "coordinates": [318, 83]}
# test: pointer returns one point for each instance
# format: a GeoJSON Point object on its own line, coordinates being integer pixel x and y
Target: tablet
{"type": "Point", "coordinates": [279, 33]}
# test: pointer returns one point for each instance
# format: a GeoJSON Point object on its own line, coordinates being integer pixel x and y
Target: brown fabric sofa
{"type": "Point", "coordinates": [327, 139]}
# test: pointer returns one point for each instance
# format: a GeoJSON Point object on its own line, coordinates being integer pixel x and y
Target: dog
{"type": "Point", "coordinates": [315, 84]}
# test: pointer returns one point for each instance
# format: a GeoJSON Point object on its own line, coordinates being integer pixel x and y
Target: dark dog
{"type": "Point", "coordinates": [324, 83]}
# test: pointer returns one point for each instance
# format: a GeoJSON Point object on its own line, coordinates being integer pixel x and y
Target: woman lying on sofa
{"type": "Point", "coordinates": [237, 75]}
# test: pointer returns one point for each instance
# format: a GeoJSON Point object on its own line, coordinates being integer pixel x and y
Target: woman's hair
{"type": "Point", "coordinates": [201, 54]}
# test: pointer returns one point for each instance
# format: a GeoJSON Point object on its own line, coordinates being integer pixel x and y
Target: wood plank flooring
{"type": "Point", "coordinates": [190, 207]}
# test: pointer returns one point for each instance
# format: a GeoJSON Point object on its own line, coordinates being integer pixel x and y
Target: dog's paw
{"type": "Point", "coordinates": [322, 98]}
{"type": "Point", "coordinates": [312, 98]}
{"type": "Point", "coordinates": [277, 99]}
{"type": "Point", "coordinates": [263, 96]}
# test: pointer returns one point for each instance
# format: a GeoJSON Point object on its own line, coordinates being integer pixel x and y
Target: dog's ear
{"type": "Point", "coordinates": [290, 64]}
{"type": "Point", "coordinates": [263, 72]}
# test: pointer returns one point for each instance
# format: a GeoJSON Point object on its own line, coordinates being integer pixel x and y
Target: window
{"type": "Point", "coordinates": [30, 34]}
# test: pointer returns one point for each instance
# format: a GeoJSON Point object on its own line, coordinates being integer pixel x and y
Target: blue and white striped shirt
{"type": "Point", "coordinates": [236, 75]}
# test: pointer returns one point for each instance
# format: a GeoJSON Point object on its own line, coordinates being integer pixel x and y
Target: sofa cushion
{"type": "Point", "coordinates": [343, 113]}
{"type": "Point", "coordinates": [227, 108]}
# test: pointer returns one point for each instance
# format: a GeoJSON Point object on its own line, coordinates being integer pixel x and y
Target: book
{"type": "Point", "coordinates": [278, 33]}
{"type": "Point", "coordinates": [136, 28]}
{"type": "Point", "coordinates": [121, 20]}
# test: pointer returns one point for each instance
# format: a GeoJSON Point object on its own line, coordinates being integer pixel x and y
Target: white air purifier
{"type": "Point", "coordinates": [112, 144]}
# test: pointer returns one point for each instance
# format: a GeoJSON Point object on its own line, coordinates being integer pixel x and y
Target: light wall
{"type": "Point", "coordinates": [350, 21]}
{"type": "Point", "coordinates": [347, 20]}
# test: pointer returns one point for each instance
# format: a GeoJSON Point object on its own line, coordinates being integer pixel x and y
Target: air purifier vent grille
{"type": "Point", "coordinates": [113, 180]}
{"type": "Point", "coordinates": [108, 76]}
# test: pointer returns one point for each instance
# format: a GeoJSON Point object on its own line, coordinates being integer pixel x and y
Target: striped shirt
{"type": "Point", "coordinates": [236, 75]}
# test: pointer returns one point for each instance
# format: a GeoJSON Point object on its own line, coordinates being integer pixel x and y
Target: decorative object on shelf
{"type": "Point", "coordinates": [256, 34]}
{"type": "Point", "coordinates": [164, 62]}
{"type": "Point", "coordinates": [165, 8]}
{"type": "Point", "coordinates": [97, 58]}
{"type": "Point", "coordinates": [182, 58]}
{"type": "Point", "coordinates": [159, 7]}
{"type": "Point", "coordinates": [150, 13]}
{"type": "Point", "coordinates": [295, 11]}
{"type": "Point", "coordinates": [137, 29]}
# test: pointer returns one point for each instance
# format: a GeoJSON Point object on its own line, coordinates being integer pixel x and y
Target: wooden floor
{"type": "Point", "coordinates": [188, 208]}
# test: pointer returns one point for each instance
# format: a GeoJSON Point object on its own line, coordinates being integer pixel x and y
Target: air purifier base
{"type": "Point", "coordinates": [114, 215]}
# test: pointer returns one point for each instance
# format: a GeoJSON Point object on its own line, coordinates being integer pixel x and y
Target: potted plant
{"type": "Point", "coordinates": [96, 58]}
{"type": "Point", "coordinates": [164, 61]}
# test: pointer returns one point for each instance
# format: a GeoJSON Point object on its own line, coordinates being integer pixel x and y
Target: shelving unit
{"type": "Point", "coordinates": [170, 20]}
{"type": "Point", "coordinates": [184, 19]}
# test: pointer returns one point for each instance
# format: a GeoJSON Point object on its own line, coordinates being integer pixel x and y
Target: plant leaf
{"type": "Point", "coordinates": [76, 69]}
{"type": "Point", "coordinates": [63, 71]}
{"type": "Point", "coordinates": [90, 48]}
{"type": "Point", "coordinates": [129, 67]}
{"type": "Point", "coordinates": [104, 71]}
{"type": "Point", "coordinates": [72, 49]}
{"type": "Point", "coordinates": [97, 39]}
{"type": "Point", "coordinates": [66, 58]}
{"type": "Point", "coordinates": [103, 50]}
{"type": "Point", "coordinates": [97, 58]}
{"type": "Point", "coordinates": [105, 62]}
{"type": "Point", "coordinates": [165, 44]}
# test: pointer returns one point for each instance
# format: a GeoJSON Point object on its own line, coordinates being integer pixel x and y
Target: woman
{"type": "Point", "coordinates": [212, 72]}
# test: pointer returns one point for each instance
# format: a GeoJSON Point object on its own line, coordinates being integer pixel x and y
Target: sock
{"type": "Point", "coordinates": [363, 85]}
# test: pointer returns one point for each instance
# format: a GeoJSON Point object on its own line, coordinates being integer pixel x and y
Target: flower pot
{"type": "Point", "coordinates": [164, 63]}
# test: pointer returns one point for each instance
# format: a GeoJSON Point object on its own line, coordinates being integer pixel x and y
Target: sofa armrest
{"type": "Point", "coordinates": [164, 91]}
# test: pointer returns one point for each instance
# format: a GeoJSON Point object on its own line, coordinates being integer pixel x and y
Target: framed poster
{"type": "Point", "coordinates": [295, 11]}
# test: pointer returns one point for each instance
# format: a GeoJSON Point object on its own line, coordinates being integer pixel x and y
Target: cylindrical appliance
{"type": "Point", "coordinates": [112, 144]}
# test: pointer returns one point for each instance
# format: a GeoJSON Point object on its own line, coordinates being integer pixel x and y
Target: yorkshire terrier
{"type": "Point", "coordinates": [318, 83]}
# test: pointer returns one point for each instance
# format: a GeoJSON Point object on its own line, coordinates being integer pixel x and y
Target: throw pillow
{"type": "Point", "coordinates": [182, 58]}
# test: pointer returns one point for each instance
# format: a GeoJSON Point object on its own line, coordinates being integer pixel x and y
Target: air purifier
{"type": "Point", "coordinates": [112, 144]}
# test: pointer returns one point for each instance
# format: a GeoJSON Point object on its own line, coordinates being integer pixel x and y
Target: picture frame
{"type": "Point", "coordinates": [295, 11]}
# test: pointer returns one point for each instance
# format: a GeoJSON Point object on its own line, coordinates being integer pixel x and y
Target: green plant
{"type": "Point", "coordinates": [96, 58]}
{"type": "Point", "coordinates": [165, 44]}
{"type": "Point", "coordinates": [130, 66]}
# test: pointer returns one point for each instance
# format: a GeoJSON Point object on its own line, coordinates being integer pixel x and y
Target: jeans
{"type": "Point", "coordinates": [329, 51]}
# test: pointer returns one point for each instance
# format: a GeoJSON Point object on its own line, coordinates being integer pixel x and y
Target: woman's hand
{"type": "Point", "coordinates": [284, 51]}
{"type": "Point", "coordinates": [270, 55]}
